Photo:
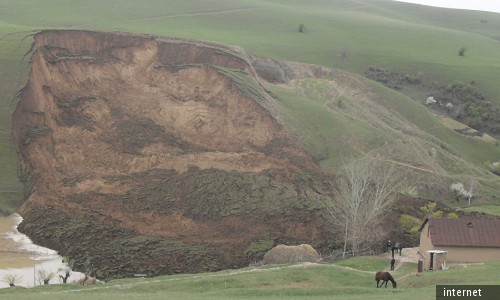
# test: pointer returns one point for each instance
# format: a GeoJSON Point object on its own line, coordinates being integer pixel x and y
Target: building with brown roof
{"type": "Point", "coordinates": [459, 241]}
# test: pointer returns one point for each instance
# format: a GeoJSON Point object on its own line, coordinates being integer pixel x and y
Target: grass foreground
{"type": "Point", "coordinates": [351, 279]}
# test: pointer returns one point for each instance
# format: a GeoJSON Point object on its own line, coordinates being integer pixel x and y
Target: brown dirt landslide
{"type": "Point", "coordinates": [158, 156]}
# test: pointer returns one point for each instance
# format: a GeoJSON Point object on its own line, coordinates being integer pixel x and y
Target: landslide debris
{"type": "Point", "coordinates": [158, 156]}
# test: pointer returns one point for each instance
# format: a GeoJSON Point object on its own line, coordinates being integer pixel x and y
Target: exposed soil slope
{"type": "Point", "coordinates": [151, 155]}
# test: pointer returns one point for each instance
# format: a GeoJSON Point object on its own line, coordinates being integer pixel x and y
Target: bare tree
{"type": "Point", "coordinates": [11, 279]}
{"type": "Point", "coordinates": [472, 187]}
{"type": "Point", "coordinates": [459, 190]}
{"type": "Point", "coordinates": [362, 196]}
{"type": "Point", "coordinates": [45, 276]}
{"type": "Point", "coordinates": [67, 274]}
{"type": "Point", "coordinates": [69, 264]}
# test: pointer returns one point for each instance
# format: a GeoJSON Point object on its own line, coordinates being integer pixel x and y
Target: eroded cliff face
{"type": "Point", "coordinates": [157, 156]}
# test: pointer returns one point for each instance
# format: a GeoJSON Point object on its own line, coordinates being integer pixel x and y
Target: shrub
{"type": "Point", "coordinates": [411, 224]}
{"type": "Point", "coordinates": [461, 51]}
{"type": "Point", "coordinates": [301, 28]}
{"type": "Point", "coordinates": [413, 79]}
{"type": "Point", "coordinates": [5, 212]}
{"type": "Point", "coordinates": [430, 211]}
{"type": "Point", "coordinates": [259, 248]}
{"type": "Point", "coordinates": [437, 214]}
{"type": "Point", "coordinates": [340, 102]}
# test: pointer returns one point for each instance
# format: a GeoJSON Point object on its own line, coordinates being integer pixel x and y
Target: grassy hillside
{"type": "Point", "coordinates": [274, 282]}
{"type": "Point", "coordinates": [12, 78]}
{"type": "Point", "coordinates": [350, 35]}
{"type": "Point", "coordinates": [378, 32]}
{"type": "Point", "coordinates": [335, 123]}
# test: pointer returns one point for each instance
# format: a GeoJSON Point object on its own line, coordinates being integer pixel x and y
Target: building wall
{"type": "Point", "coordinates": [425, 244]}
{"type": "Point", "coordinates": [455, 254]}
{"type": "Point", "coordinates": [470, 254]}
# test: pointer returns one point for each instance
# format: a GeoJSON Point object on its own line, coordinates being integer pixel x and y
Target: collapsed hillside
{"type": "Point", "coordinates": [158, 156]}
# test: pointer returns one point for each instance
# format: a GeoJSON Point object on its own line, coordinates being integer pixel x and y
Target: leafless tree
{"type": "Point", "coordinates": [472, 189]}
{"type": "Point", "coordinates": [67, 274]}
{"type": "Point", "coordinates": [69, 264]}
{"type": "Point", "coordinates": [11, 279]}
{"type": "Point", "coordinates": [45, 276]}
{"type": "Point", "coordinates": [459, 190]}
{"type": "Point", "coordinates": [361, 199]}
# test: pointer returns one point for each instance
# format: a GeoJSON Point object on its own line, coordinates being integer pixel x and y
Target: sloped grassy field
{"type": "Point", "coordinates": [350, 279]}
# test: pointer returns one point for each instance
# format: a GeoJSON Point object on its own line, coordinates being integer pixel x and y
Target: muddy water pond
{"type": "Point", "coordinates": [21, 258]}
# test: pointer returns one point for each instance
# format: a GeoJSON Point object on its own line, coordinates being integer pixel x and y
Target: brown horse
{"type": "Point", "coordinates": [385, 276]}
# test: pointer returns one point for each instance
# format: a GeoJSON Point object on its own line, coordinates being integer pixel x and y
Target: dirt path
{"type": "Point", "coordinates": [410, 166]}
{"type": "Point", "coordinates": [185, 15]}
{"type": "Point", "coordinates": [408, 255]}
{"type": "Point", "coordinates": [198, 14]}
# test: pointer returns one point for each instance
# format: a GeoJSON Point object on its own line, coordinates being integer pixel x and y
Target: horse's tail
{"type": "Point", "coordinates": [377, 275]}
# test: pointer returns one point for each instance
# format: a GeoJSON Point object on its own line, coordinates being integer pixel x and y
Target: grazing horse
{"type": "Point", "coordinates": [385, 277]}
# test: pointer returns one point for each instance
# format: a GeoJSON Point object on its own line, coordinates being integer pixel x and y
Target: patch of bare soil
{"type": "Point", "coordinates": [408, 255]}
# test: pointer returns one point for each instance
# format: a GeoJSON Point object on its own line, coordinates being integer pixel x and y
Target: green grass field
{"type": "Point", "coordinates": [489, 209]}
{"type": "Point", "coordinates": [323, 281]}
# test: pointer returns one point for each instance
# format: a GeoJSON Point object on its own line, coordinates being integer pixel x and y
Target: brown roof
{"type": "Point", "coordinates": [464, 232]}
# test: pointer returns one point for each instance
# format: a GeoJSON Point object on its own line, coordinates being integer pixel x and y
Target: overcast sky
{"type": "Point", "coordinates": [487, 5]}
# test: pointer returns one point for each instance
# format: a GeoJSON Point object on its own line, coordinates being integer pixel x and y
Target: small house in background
{"type": "Point", "coordinates": [459, 241]}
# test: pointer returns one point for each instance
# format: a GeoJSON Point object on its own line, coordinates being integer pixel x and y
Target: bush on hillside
{"type": "Point", "coordinates": [461, 51]}
{"type": "Point", "coordinates": [430, 210]}
{"type": "Point", "coordinates": [410, 224]}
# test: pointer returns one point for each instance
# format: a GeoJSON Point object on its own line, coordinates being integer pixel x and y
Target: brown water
{"type": "Point", "coordinates": [10, 257]}
{"type": "Point", "coordinates": [20, 257]}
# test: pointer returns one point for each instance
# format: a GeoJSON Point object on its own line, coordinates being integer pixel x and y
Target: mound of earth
{"type": "Point", "coordinates": [283, 254]}
{"type": "Point", "coordinates": [157, 155]}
